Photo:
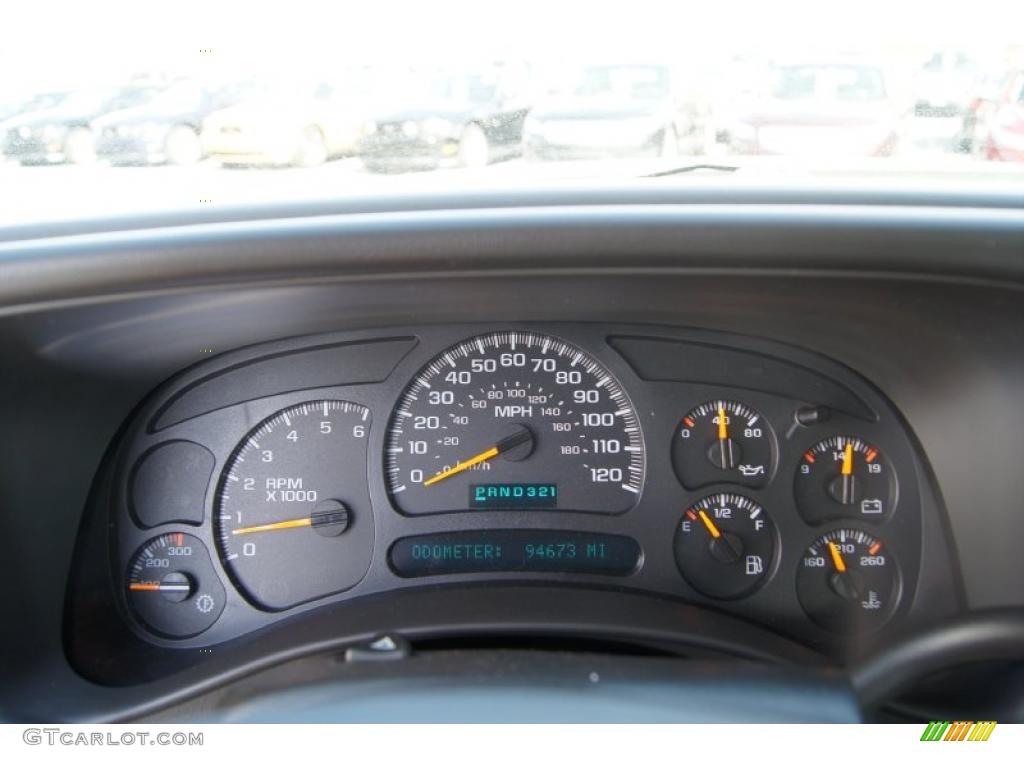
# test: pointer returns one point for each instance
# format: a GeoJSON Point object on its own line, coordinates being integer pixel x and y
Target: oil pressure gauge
{"type": "Point", "coordinates": [723, 441]}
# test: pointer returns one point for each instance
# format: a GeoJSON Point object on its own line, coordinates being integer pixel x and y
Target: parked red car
{"type": "Point", "coordinates": [1000, 124]}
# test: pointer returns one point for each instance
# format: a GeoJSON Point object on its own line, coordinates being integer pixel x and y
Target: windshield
{"type": "Point", "coordinates": [113, 111]}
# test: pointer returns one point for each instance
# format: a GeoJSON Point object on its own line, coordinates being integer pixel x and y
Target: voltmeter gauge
{"type": "Point", "coordinates": [172, 588]}
{"type": "Point", "coordinates": [725, 545]}
{"type": "Point", "coordinates": [844, 476]}
{"type": "Point", "coordinates": [848, 581]}
{"type": "Point", "coordinates": [723, 441]}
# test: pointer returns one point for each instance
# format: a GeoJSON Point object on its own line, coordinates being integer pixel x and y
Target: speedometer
{"type": "Point", "coordinates": [514, 421]}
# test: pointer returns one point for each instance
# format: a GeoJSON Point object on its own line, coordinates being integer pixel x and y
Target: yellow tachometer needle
{"type": "Point", "coordinates": [848, 459]}
{"type": "Point", "coordinates": [301, 522]}
{"type": "Point", "coordinates": [712, 528]}
{"type": "Point", "coordinates": [514, 440]}
{"type": "Point", "coordinates": [463, 465]}
{"type": "Point", "coordinates": [837, 558]}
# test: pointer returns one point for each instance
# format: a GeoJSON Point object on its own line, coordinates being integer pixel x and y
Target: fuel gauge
{"type": "Point", "coordinates": [725, 545]}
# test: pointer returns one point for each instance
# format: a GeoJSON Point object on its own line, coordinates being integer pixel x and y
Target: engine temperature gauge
{"type": "Point", "coordinates": [723, 441]}
{"type": "Point", "coordinates": [848, 581]}
{"type": "Point", "coordinates": [844, 476]}
{"type": "Point", "coordinates": [172, 588]}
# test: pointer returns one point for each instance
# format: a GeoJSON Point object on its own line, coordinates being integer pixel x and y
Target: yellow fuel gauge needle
{"type": "Point", "coordinates": [712, 528]}
{"type": "Point", "coordinates": [300, 522]}
{"type": "Point", "coordinates": [837, 558]}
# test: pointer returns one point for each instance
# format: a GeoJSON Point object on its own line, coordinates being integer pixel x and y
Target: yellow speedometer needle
{"type": "Point", "coordinates": [837, 558]}
{"type": "Point", "coordinates": [712, 528]}
{"type": "Point", "coordinates": [300, 522]}
{"type": "Point", "coordinates": [507, 444]}
{"type": "Point", "coordinates": [462, 466]}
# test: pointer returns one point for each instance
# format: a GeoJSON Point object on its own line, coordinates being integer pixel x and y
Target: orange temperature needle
{"type": "Point", "coordinates": [837, 558]}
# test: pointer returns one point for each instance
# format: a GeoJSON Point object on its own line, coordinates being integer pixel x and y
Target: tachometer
{"type": "Point", "coordinates": [293, 510]}
{"type": "Point", "coordinates": [514, 421]}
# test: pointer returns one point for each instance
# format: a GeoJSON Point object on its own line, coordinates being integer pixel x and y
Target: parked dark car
{"type": "Point", "coordinates": [446, 120]}
{"type": "Point", "coordinates": [62, 133]}
{"type": "Point", "coordinates": [620, 110]}
{"type": "Point", "coordinates": [165, 129]}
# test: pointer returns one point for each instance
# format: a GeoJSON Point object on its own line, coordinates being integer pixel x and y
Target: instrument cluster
{"type": "Point", "coordinates": [763, 481]}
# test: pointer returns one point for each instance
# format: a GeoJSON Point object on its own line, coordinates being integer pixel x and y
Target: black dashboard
{"type": "Point", "coordinates": [779, 428]}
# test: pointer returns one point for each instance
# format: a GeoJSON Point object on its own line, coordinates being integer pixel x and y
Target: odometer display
{"type": "Point", "coordinates": [512, 421]}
